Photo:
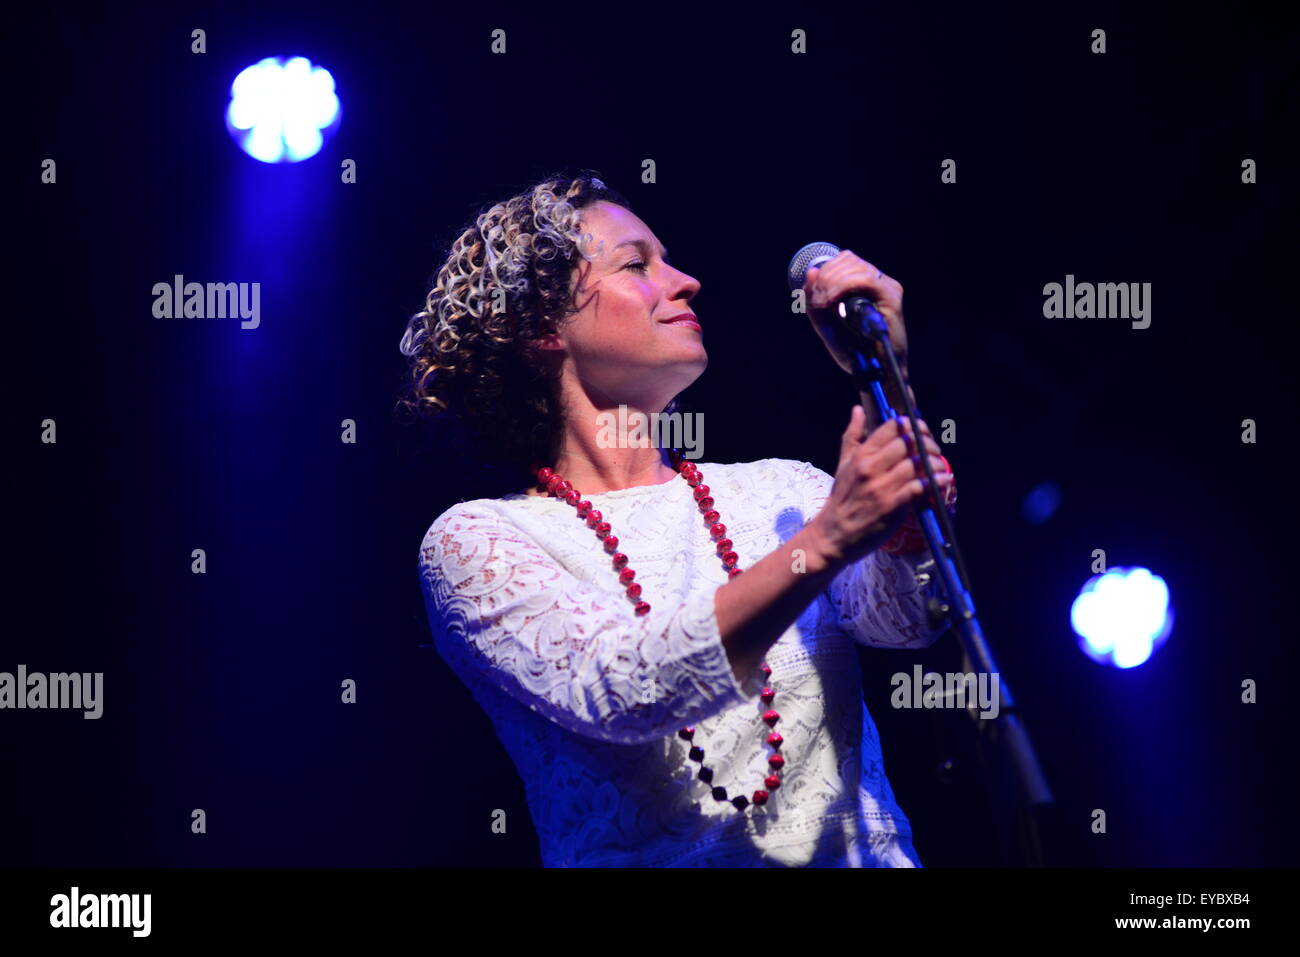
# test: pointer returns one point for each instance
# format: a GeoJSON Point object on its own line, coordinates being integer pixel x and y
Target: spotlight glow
{"type": "Point", "coordinates": [282, 108]}
{"type": "Point", "coordinates": [1041, 503]}
{"type": "Point", "coordinates": [1122, 616]}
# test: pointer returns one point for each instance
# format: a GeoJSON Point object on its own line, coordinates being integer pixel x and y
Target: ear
{"type": "Point", "coordinates": [547, 342]}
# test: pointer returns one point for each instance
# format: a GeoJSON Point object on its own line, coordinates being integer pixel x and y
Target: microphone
{"type": "Point", "coordinates": [814, 254]}
{"type": "Point", "coordinates": [857, 313]}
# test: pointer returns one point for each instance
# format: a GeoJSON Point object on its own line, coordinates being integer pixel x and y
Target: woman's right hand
{"type": "Point", "coordinates": [876, 482]}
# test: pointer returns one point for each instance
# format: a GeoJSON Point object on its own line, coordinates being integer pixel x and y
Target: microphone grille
{"type": "Point", "coordinates": [814, 254]}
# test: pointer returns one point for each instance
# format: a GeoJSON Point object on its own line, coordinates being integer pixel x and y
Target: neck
{"type": "Point", "coordinates": [604, 449]}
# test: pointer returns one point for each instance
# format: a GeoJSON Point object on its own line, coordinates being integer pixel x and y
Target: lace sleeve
{"type": "Point", "coordinates": [878, 600]}
{"type": "Point", "coordinates": [500, 606]}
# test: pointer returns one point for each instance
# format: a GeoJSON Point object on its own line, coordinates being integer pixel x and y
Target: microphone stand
{"type": "Point", "coordinates": [1017, 787]}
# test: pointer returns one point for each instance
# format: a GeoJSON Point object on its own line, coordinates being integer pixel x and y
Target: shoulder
{"type": "Point", "coordinates": [799, 472]}
{"type": "Point", "coordinates": [806, 483]}
{"type": "Point", "coordinates": [774, 482]}
{"type": "Point", "coordinates": [461, 527]}
{"type": "Point", "coordinates": [769, 473]}
{"type": "Point", "coordinates": [477, 511]}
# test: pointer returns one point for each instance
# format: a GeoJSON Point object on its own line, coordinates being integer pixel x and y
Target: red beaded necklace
{"type": "Point", "coordinates": [557, 487]}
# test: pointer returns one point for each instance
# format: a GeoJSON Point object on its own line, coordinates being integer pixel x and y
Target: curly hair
{"type": "Point", "coordinates": [505, 282]}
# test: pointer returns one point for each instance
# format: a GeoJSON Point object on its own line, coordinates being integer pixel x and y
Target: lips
{"type": "Point", "coordinates": [683, 319]}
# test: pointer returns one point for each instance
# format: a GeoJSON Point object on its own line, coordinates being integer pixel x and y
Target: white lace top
{"type": "Point", "coordinates": [587, 697]}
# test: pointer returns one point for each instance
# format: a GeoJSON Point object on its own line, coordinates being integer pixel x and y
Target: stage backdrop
{"type": "Point", "coordinates": [977, 154]}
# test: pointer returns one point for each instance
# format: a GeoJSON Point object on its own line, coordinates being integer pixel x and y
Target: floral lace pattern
{"type": "Point", "coordinates": [587, 697]}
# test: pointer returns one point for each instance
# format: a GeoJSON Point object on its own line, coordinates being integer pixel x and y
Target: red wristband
{"type": "Point", "coordinates": [909, 540]}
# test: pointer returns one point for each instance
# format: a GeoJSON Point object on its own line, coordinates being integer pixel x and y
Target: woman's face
{"type": "Point", "coordinates": [620, 346]}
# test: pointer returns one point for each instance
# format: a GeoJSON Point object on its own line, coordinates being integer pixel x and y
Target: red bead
{"type": "Point", "coordinates": [557, 485]}
{"type": "Point", "coordinates": [767, 670]}
{"type": "Point", "coordinates": [760, 797]}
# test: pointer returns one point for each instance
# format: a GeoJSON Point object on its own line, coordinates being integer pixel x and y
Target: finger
{"type": "Point", "coordinates": [852, 436]}
{"type": "Point", "coordinates": [888, 432]}
{"type": "Point", "coordinates": [848, 266]}
{"type": "Point", "coordinates": [888, 457]}
{"type": "Point", "coordinates": [903, 474]}
{"type": "Point", "coordinates": [936, 466]}
{"type": "Point", "coordinates": [839, 279]}
{"type": "Point", "coordinates": [914, 490]}
{"type": "Point", "coordinates": [939, 465]}
{"type": "Point", "coordinates": [926, 434]}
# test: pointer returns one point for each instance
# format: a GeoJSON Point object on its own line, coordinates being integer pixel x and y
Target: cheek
{"type": "Point", "coordinates": [605, 334]}
{"type": "Point", "coordinates": [634, 298]}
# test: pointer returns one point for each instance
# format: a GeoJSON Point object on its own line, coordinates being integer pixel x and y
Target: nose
{"type": "Point", "coordinates": [681, 285]}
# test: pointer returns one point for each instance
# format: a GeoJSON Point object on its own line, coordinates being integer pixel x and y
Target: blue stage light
{"type": "Point", "coordinates": [1122, 616]}
{"type": "Point", "coordinates": [282, 109]}
{"type": "Point", "coordinates": [1041, 503]}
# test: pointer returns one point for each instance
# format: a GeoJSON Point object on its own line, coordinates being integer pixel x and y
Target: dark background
{"type": "Point", "coordinates": [222, 690]}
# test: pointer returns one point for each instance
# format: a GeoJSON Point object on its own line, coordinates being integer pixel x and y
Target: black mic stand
{"type": "Point", "coordinates": [1015, 781]}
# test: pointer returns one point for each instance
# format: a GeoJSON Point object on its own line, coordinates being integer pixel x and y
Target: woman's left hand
{"type": "Point", "coordinates": [849, 273]}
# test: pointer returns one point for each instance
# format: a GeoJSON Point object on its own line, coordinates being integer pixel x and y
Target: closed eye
{"type": "Point", "coordinates": [635, 264]}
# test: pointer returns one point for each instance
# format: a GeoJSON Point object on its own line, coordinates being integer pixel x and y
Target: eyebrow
{"type": "Point", "coordinates": [644, 246]}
